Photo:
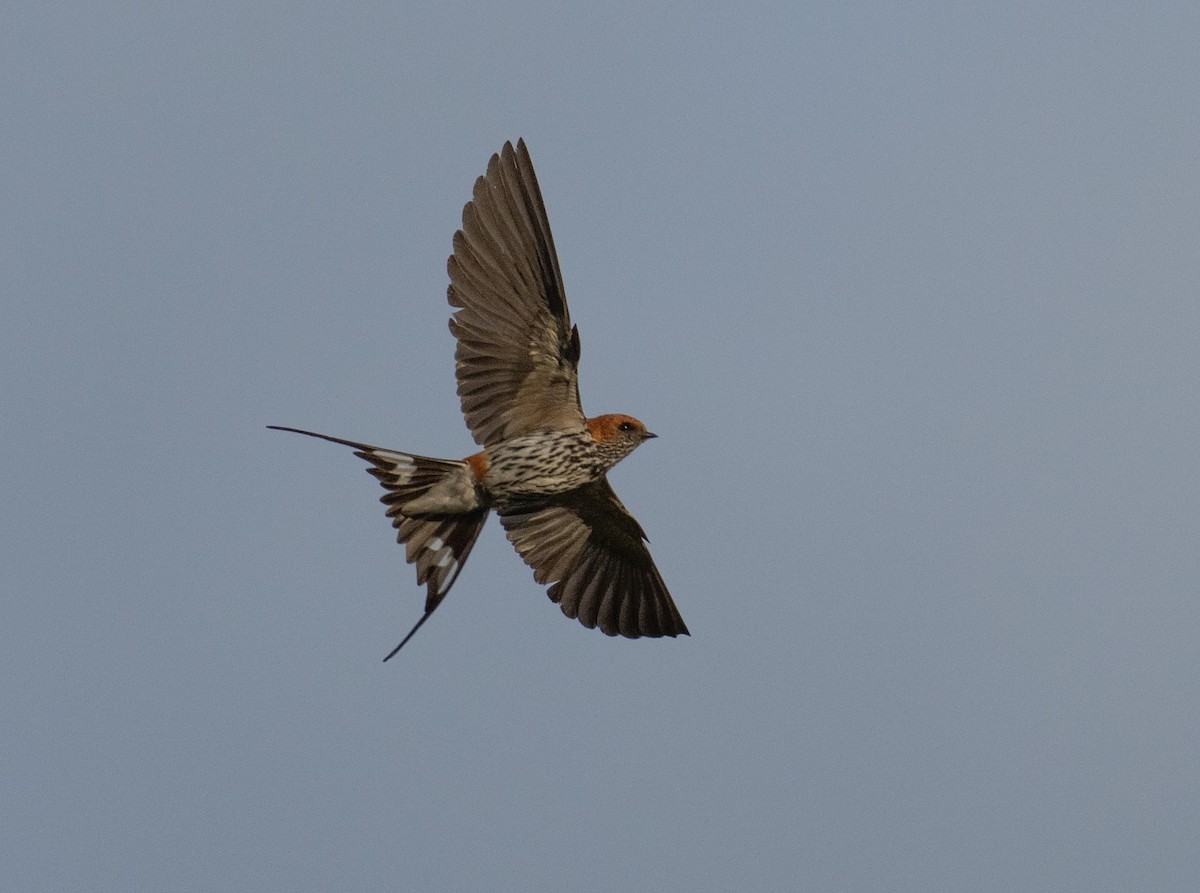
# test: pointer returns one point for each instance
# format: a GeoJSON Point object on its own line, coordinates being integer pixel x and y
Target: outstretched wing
{"type": "Point", "coordinates": [517, 352]}
{"type": "Point", "coordinates": [594, 552]}
{"type": "Point", "coordinates": [437, 545]}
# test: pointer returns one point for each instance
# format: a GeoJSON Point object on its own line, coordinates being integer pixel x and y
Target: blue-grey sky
{"type": "Point", "coordinates": [909, 293]}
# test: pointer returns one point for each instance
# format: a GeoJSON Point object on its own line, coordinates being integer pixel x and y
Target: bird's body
{"type": "Point", "coordinates": [546, 463]}
{"type": "Point", "coordinates": [543, 464]}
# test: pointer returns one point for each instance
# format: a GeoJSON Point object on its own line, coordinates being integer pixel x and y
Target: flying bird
{"type": "Point", "coordinates": [543, 464]}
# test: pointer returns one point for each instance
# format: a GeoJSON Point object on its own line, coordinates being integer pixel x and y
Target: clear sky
{"type": "Point", "coordinates": [909, 292]}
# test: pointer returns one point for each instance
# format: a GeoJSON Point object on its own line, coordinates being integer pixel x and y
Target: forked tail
{"type": "Point", "coordinates": [434, 508]}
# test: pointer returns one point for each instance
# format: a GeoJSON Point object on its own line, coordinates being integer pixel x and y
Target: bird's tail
{"type": "Point", "coordinates": [435, 509]}
{"type": "Point", "coordinates": [439, 549]}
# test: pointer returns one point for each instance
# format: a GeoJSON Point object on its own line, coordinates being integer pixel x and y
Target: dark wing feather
{"type": "Point", "coordinates": [517, 352]}
{"type": "Point", "coordinates": [588, 545]}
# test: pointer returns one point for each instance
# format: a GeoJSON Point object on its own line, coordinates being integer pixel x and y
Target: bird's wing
{"type": "Point", "coordinates": [517, 350]}
{"type": "Point", "coordinates": [588, 545]}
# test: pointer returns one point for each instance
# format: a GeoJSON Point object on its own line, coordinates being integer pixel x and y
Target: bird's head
{"type": "Point", "coordinates": [619, 434]}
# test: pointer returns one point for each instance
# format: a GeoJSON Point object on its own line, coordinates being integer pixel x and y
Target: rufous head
{"type": "Point", "coordinates": [618, 434]}
{"type": "Point", "coordinates": [616, 427]}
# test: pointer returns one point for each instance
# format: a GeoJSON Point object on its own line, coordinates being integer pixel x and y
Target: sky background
{"type": "Point", "coordinates": [908, 291]}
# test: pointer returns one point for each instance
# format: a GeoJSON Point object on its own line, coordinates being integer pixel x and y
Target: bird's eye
{"type": "Point", "coordinates": [625, 426]}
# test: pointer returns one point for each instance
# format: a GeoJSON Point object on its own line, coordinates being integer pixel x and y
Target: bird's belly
{"type": "Point", "coordinates": [541, 464]}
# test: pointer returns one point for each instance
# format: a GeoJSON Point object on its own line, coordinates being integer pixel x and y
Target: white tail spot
{"type": "Point", "coordinates": [445, 555]}
{"type": "Point", "coordinates": [448, 577]}
{"type": "Point", "coordinates": [402, 465]}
